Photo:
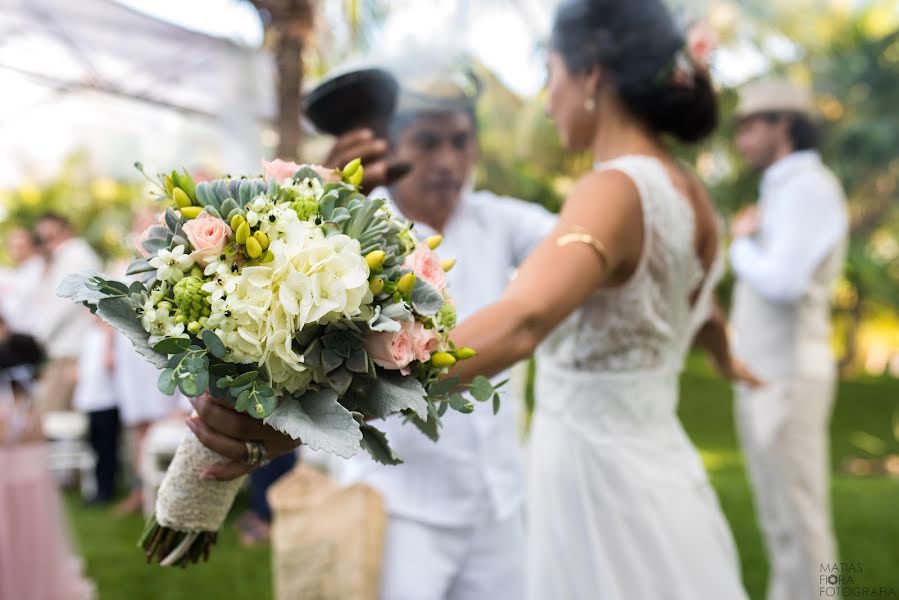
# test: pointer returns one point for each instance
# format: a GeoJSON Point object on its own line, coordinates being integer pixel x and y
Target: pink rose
{"type": "Point", "coordinates": [208, 235]}
{"type": "Point", "coordinates": [392, 351]}
{"type": "Point", "coordinates": [426, 265]}
{"type": "Point", "coordinates": [280, 170]}
{"type": "Point", "coordinates": [424, 342]}
{"type": "Point", "coordinates": [701, 42]}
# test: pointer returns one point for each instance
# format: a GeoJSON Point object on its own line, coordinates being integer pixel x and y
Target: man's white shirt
{"type": "Point", "coordinates": [477, 458]}
{"type": "Point", "coordinates": [62, 323]}
{"type": "Point", "coordinates": [803, 218]}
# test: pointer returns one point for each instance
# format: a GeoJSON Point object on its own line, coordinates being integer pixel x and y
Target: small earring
{"type": "Point", "coordinates": [590, 104]}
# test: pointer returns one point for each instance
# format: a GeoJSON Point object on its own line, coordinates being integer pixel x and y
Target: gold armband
{"type": "Point", "coordinates": [580, 235]}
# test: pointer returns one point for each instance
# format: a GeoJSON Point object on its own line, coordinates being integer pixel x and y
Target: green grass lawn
{"type": "Point", "coordinates": [866, 509]}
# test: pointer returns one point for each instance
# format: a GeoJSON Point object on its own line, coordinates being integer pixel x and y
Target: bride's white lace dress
{"type": "Point", "coordinates": [620, 506]}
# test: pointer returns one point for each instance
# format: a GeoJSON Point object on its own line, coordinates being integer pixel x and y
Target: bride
{"type": "Point", "coordinates": [620, 506]}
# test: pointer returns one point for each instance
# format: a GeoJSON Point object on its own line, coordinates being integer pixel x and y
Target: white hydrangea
{"type": "Point", "coordinates": [312, 279]}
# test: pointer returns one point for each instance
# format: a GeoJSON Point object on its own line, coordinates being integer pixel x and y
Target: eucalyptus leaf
{"type": "Point", "coordinates": [496, 401]}
{"type": "Point", "coordinates": [443, 387]}
{"type": "Point", "coordinates": [374, 441]}
{"type": "Point", "coordinates": [319, 421]}
{"type": "Point", "coordinates": [481, 388]}
{"type": "Point", "coordinates": [243, 401]}
{"type": "Point", "coordinates": [173, 345]}
{"type": "Point", "coordinates": [244, 379]}
{"type": "Point", "coordinates": [189, 385]}
{"type": "Point", "coordinates": [167, 383]}
{"type": "Point", "coordinates": [268, 404]}
{"type": "Point", "coordinates": [213, 344]}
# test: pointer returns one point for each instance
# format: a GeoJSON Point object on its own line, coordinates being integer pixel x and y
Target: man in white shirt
{"type": "Point", "coordinates": [19, 284]}
{"type": "Point", "coordinates": [455, 527]}
{"type": "Point", "coordinates": [62, 324]}
{"type": "Point", "coordinates": [788, 251]}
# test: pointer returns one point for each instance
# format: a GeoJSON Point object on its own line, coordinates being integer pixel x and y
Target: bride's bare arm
{"type": "Point", "coordinates": [713, 338]}
{"type": "Point", "coordinates": [597, 242]}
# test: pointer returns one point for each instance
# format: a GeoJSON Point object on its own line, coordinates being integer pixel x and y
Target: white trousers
{"type": "Point", "coordinates": [784, 430]}
{"type": "Point", "coordinates": [483, 561]}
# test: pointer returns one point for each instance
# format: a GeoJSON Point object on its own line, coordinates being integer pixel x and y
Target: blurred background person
{"type": "Point", "coordinates": [788, 251]}
{"type": "Point", "coordinates": [19, 284]}
{"type": "Point", "coordinates": [36, 562]}
{"type": "Point", "coordinates": [61, 324]}
{"type": "Point", "coordinates": [140, 403]}
{"type": "Point", "coordinates": [95, 396]}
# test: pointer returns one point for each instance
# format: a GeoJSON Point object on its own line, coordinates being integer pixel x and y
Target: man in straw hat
{"type": "Point", "coordinates": [787, 252]}
{"type": "Point", "coordinates": [455, 527]}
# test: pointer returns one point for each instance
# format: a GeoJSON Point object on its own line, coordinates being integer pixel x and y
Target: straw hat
{"type": "Point", "coordinates": [774, 96]}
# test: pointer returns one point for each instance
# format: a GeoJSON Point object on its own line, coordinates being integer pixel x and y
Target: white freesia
{"type": "Point", "coordinates": [171, 264]}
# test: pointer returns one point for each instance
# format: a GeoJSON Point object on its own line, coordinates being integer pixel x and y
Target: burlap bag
{"type": "Point", "coordinates": [327, 539]}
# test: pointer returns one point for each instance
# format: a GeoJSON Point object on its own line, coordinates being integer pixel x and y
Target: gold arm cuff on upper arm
{"type": "Point", "coordinates": [579, 235]}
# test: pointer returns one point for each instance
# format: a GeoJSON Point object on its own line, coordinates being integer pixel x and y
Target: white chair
{"type": "Point", "coordinates": [69, 452]}
{"type": "Point", "coordinates": [156, 454]}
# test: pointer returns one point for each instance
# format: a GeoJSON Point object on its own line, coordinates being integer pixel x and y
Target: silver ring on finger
{"type": "Point", "coordinates": [254, 452]}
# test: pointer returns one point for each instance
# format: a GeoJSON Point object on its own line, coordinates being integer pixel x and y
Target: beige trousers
{"type": "Point", "coordinates": [56, 385]}
{"type": "Point", "coordinates": [784, 431]}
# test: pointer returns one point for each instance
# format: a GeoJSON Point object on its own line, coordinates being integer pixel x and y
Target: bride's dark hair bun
{"type": "Point", "coordinates": [637, 42]}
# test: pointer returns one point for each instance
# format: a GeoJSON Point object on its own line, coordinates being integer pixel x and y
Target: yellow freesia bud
{"type": "Point", "coordinates": [375, 259]}
{"type": "Point", "coordinates": [406, 283]}
{"type": "Point", "coordinates": [194, 327]}
{"type": "Point", "coordinates": [465, 353]}
{"type": "Point", "coordinates": [242, 233]}
{"type": "Point", "coordinates": [169, 186]}
{"type": "Point", "coordinates": [237, 221]}
{"type": "Point", "coordinates": [433, 241]}
{"type": "Point", "coordinates": [351, 167]}
{"type": "Point", "coordinates": [443, 359]}
{"type": "Point", "coordinates": [254, 248]}
{"type": "Point", "coordinates": [376, 286]}
{"type": "Point", "coordinates": [353, 172]}
{"type": "Point", "coordinates": [191, 212]}
{"type": "Point", "coordinates": [448, 264]}
{"type": "Point", "coordinates": [268, 257]}
{"type": "Point", "coordinates": [262, 239]}
{"type": "Point", "coordinates": [181, 198]}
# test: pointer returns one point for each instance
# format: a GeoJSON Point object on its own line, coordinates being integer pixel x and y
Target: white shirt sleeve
{"type": "Point", "coordinates": [528, 223]}
{"type": "Point", "coordinates": [808, 219]}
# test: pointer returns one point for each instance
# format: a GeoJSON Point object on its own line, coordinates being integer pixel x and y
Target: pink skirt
{"type": "Point", "coordinates": [36, 562]}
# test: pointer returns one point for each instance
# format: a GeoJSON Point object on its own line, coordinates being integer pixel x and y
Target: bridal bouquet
{"type": "Point", "coordinates": [299, 301]}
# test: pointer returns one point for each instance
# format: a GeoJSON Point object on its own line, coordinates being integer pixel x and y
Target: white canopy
{"type": "Point", "coordinates": [96, 75]}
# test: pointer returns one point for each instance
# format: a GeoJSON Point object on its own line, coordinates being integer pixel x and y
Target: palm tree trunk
{"type": "Point", "coordinates": [288, 23]}
{"type": "Point", "coordinates": [289, 62]}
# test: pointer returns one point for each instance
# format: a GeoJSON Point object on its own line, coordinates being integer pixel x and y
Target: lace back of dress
{"type": "Point", "coordinates": [646, 323]}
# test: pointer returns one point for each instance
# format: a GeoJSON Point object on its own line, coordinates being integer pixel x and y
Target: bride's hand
{"type": "Point", "coordinates": [738, 372]}
{"type": "Point", "coordinates": [230, 433]}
